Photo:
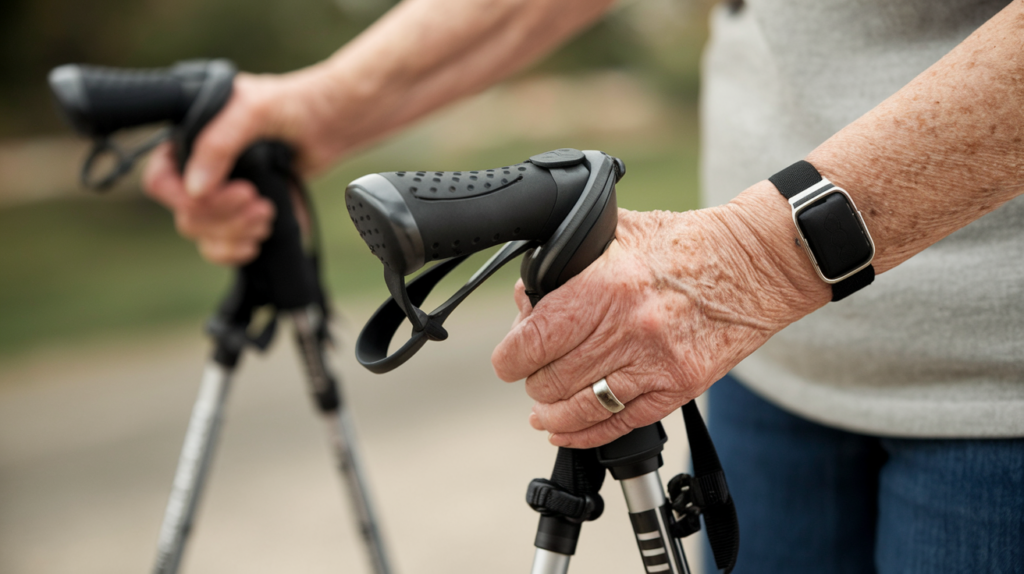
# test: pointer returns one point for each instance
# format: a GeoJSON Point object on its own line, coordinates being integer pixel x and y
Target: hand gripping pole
{"type": "Point", "coordinates": [408, 219]}
{"type": "Point", "coordinates": [284, 278]}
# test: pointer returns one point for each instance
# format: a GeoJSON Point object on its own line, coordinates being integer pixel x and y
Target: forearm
{"type": "Point", "coordinates": [426, 53]}
{"type": "Point", "coordinates": [943, 151]}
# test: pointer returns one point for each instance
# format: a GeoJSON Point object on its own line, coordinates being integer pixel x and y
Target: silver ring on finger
{"type": "Point", "coordinates": [606, 397]}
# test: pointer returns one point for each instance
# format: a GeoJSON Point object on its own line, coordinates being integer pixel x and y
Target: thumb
{"type": "Point", "coordinates": [218, 147]}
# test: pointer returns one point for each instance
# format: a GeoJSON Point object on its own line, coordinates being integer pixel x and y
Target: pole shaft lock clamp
{"type": "Point", "coordinates": [550, 499]}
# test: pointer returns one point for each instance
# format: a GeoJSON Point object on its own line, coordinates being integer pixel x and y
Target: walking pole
{"type": "Point", "coordinates": [311, 336]}
{"type": "Point", "coordinates": [284, 278]}
{"type": "Point", "coordinates": [559, 209]}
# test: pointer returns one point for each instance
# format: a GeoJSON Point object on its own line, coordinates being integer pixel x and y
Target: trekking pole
{"type": "Point", "coordinates": [284, 277]}
{"type": "Point", "coordinates": [559, 209]}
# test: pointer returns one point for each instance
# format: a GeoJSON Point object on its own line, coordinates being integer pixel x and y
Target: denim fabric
{"type": "Point", "coordinates": [814, 499]}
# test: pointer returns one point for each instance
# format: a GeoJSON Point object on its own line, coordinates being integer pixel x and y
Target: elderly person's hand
{"type": "Point", "coordinates": [680, 298]}
{"type": "Point", "coordinates": [674, 303]}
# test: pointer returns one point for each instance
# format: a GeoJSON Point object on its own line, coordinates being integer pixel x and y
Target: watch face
{"type": "Point", "coordinates": [835, 235]}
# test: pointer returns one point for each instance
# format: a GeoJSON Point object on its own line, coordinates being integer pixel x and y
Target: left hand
{"type": "Point", "coordinates": [672, 305]}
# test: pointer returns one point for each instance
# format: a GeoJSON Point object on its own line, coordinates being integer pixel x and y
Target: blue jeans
{"type": "Point", "coordinates": [814, 499]}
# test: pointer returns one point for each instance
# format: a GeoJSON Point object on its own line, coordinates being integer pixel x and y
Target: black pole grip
{"type": "Point", "coordinates": [283, 275]}
{"type": "Point", "coordinates": [283, 271]}
{"type": "Point", "coordinates": [559, 204]}
{"type": "Point", "coordinates": [408, 218]}
{"type": "Point", "coordinates": [99, 100]}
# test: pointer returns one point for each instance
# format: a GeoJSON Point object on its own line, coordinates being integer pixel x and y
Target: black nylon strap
{"type": "Point", "coordinates": [794, 180]}
{"type": "Point", "coordinates": [719, 510]}
{"type": "Point", "coordinates": [578, 471]}
{"type": "Point", "coordinates": [375, 338]}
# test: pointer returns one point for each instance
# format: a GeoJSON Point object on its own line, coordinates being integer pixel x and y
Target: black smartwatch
{"type": "Point", "coordinates": [831, 230]}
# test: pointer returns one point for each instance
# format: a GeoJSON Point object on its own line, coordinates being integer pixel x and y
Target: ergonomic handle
{"type": "Point", "coordinates": [557, 207]}
{"type": "Point", "coordinates": [408, 218]}
{"type": "Point", "coordinates": [99, 101]}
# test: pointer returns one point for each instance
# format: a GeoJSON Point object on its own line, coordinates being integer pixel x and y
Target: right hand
{"type": "Point", "coordinates": [229, 219]}
{"type": "Point", "coordinates": [227, 224]}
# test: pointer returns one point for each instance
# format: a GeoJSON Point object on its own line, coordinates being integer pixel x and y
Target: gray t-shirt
{"type": "Point", "coordinates": [935, 347]}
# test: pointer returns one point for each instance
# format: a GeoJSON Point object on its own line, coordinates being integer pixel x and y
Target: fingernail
{"type": "Point", "coordinates": [535, 421]}
{"type": "Point", "coordinates": [558, 439]}
{"type": "Point", "coordinates": [195, 182]}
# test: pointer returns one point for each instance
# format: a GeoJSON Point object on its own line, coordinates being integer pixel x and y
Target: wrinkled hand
{"type": "Point", "coordinates": [674, 303]}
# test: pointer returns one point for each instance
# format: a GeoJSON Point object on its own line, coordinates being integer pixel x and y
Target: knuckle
{"type": "Point", "coordinates": [651, 320]}
{"type": "Point", "coordinates": [217, 144]}
{"type": "Point", "coordinates": [586, 408]}
{"type": "Point", "coordinates": [260, 230]}
{"type": "Point", "coordinates": [244, 253]}
{"type": "Point", "coordinates": [619, 426]}
{"type": "Point", "coordinates": [537, 386]}
{"type": "Point", "coordinates": [646, 411]}
{"type": "Point", "coordinates": [244, 191]}
{"type": "Point", "coordinates": [534, 345]}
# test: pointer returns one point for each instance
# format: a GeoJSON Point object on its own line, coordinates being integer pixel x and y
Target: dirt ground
{"type": "Point", "coordinates": [89, 438]}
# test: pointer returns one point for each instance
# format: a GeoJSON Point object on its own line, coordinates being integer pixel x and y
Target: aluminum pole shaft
{"type": "Point", "coordinates": [548, 562]}
{"type": "Point", "coordinates": [193, 466]}
{"type": "Point", "coordinates": [341, 434]}
{"type": "Point", "coordinates": [649, 514]}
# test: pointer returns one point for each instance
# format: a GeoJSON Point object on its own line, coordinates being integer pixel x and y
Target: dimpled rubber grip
{"type": "Point", "coordinates": [408, 218]}
{"type": "Point", "coordinates": [100, 101]}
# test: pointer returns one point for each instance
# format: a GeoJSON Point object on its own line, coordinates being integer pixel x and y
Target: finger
{"type": "Point", "coordinates": [233, 253]}
{"type": "Point", "coordinates": [161, 179]}
{"type": "Point", "coordinates": [252, 224]}
{"type": "Point", "coordinates": [258, 221]}
{"type": "Point", "coordinates": [522, 303]}
{"type": "Point", "coordinates": [580, 368]}
{"type": "Point", "coordinates": [219, 144]}
{"type": "Point", "coordinates": [553, 328]}
{"type": "Point", "coordinates": [534, 421]}
{"type": "Point", "coordinates": [583, 409]}
{"type": "Point", "coordinates": [642, 411]}
{"type": "Point", "coordinates": [522, 299]}
{"type": "Point", "coordinates": [234, 212]}
{"type": "Point", "coordinates": [228, 201]}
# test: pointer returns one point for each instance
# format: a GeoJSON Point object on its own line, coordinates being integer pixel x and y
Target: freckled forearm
{"type": "Point", "coordinates": [943, 151]}
{"type": "Point", "coordinates": [424, 54]}
{"type": "Point", "coordinates": [937, 155]}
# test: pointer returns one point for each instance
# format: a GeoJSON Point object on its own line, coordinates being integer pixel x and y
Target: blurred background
{"type": "Point", "coordinates": [102, 305]}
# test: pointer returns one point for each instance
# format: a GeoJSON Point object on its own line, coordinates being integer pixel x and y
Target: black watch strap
{"type": "Point", "coordinates": [797, 179]}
